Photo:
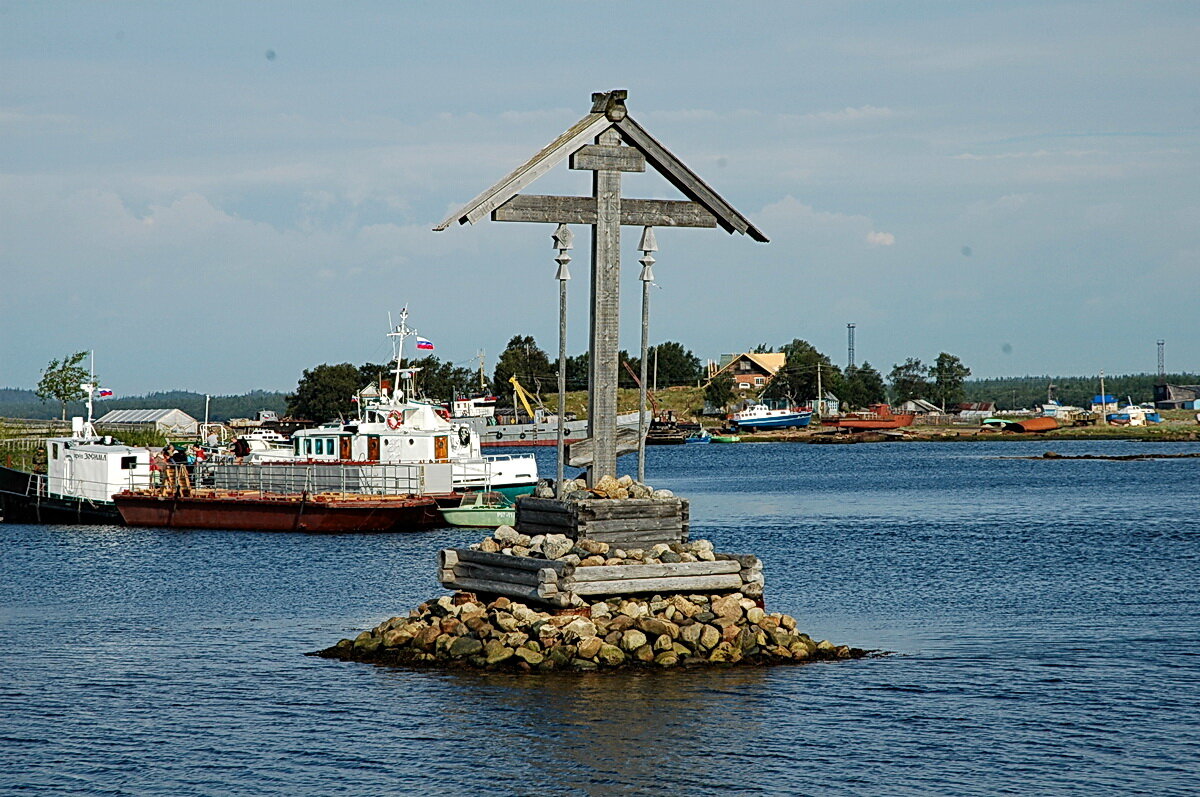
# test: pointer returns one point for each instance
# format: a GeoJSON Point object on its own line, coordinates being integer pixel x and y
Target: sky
{"type": "Point", "coordinates": [215, 196]}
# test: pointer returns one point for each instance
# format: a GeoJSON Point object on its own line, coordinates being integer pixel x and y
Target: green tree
{"type": "Point", "coordinates": [62, 381]}
{"type": "Point", "coordinates": [523, 358]}
{"type": "Point", "coordinates": [908, 380]}
{"type": "Point", "coordinates": [797, 379]}
{"type": "Point", "coordinates": [324, 393]}
{"type": "Point", "coordinates": [948, 375]}
{"type": "Point", "coordinates": [441, 381]}
{"type": "Point", "coordinates": [719, 391]}
{"type": "Point", "coordinates": [577, 372]}
{"type": "Point", "coordinates": [862, 386]}
{"type": "Point", "coordinates": [675, 365]}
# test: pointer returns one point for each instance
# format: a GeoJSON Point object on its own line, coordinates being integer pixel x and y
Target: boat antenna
{"type": "Point", "coordinates": [89, 388]}
{"type": "Point", "coordinates": [398, 334]}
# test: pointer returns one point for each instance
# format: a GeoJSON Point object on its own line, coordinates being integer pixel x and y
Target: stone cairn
{"type": "Point", "coordinates": [547, 605]}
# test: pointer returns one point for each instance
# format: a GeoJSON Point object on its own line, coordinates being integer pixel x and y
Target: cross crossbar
{"type": "Point", "coordinates": [582, 210]}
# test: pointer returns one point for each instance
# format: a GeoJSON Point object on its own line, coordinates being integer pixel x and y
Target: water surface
{"type": "Point", "coordinates": [1043, 616]}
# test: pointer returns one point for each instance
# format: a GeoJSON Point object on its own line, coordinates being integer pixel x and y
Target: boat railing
{"type": "Point", "coordinates": [313, 478]}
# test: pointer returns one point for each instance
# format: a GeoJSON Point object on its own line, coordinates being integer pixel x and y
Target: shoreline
{"type": "Point", "coordinates": [1143, 434]}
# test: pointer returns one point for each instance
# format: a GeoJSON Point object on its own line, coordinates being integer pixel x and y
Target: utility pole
{"type": "Point", "coordinates": [1103, 402]}
{"type": "Point", "coordinates": [820, 402]}
{"type": "Point", "coordinates": [850, 347]}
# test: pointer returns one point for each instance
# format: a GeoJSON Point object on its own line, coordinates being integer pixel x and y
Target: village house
{"type": "Point", "coordinates": [750, 371]}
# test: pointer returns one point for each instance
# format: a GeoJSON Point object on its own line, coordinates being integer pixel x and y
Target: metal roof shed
{"type": "Point", "coordinates": [172, 421]}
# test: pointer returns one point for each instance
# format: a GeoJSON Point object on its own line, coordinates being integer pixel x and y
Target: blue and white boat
{"type": "Point", "coordinates": [760, 416]}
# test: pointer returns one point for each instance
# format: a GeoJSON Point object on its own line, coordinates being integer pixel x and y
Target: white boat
{"type": "Point", "coordinates": [760, 416]}
{"type": "Point", "coordinates": [394, 429]}
{"type": "Point", "coordinates": [83, 472]}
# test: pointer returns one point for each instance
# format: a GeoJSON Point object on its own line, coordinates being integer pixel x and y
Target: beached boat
{"type": "Point", "coordinates": [1041, 423]}
{"type": "Point", "coordinates": [879, 416]}
{"type": "Point", "coordinates": [760, 416]}
{"type": "Point", "coordinates": [726, 438]}
{"type": "Point", "coordinates": [481, 510]}
{"type": "Point", "coordinates": [322, 513]}
{"type": "Point", "coordinates": [83, 472]}
{"type": "Point", "coordinates": [700, 437]}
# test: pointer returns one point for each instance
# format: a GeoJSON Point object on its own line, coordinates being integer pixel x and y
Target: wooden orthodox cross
{"type": "Point", "coordinates": [606, 142]}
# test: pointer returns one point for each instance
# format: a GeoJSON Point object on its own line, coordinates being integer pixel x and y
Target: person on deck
{"type": "Point", "coordinates": [241, 449]}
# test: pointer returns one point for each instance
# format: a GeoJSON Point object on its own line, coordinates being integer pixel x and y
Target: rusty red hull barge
{"type": "Point", "coordinates": [314, 514]}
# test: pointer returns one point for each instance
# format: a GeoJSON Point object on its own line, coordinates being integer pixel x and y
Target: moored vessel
{"type": "Point", "coordinates": [760, 416]}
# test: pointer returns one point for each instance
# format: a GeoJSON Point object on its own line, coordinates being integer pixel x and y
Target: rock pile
{"type": "Point", "coordinates": [607, 487]}
{"type": "Point", "coordinates": [692, 630]}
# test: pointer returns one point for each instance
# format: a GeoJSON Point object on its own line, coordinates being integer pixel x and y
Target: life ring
{"type": "Point", "coordinates": [395, 419]}
{"type": "Point", "coordinates": [464, 435]}
{"type": "Point", "coordinates": [500, 435]}
{"type": "Point", "coordinates": [522, 435]}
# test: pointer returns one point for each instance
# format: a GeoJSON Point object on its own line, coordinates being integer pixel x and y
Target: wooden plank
{"type": "Point", "coordinates": [629, 508]}
{"type": "Point", "coordinates": [623, 572]}
{"type": "Point", "coordinates": [593, 157]}
{"type": "Point", "coordinates": [504, 560]}
{"type": "Point", "coordinates": [546, 159]}
{"type": "Point", "coordinates": [547, 505]}
{"type": "Point", "coordinates": [633, 524]}
{"type": "Point", "coordinates": [557, 519]}
{"type": "Point", "coordinates": [687, 181]}
{"type": "Point", "coordinates": [534, 529]}
{"type": "Point", "coordinates": [579, 453]}
{"type": "Point", "coordinates": [549, 209]}
{"type": "Point", "coordinates": [670, 584]}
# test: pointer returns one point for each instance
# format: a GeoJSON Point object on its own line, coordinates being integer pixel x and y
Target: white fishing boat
{"type": "Point", "coordinates": [392, 428]}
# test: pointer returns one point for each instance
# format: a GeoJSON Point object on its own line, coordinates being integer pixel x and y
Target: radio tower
{"type": "Point", "coordinates": [850, 347]}
{"type": "Point", "coordinates": [1162, 363]}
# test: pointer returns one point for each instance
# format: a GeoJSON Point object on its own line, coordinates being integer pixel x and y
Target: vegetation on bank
{"type": "Point", "coordinates": [326, 391]}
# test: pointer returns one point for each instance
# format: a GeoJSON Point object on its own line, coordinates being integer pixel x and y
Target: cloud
{"type": "Point", "coordinates": [861, 113]}
{"type": "Point", "coordinates": [880, 238]}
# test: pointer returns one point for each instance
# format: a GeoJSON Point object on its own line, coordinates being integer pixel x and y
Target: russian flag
{"type": "Point", "coordinates": [103, 392]}
{"type": "Point", "coordinates": [422, 343]}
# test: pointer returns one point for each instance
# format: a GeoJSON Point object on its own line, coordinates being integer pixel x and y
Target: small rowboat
{"type": "Point", "coordinates": [486, 510]}
{"type": "Point", "coordinates": [726, 438]}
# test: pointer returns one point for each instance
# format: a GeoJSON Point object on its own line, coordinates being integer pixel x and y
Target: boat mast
{"type": "Point", "coordinates": [401, 332]}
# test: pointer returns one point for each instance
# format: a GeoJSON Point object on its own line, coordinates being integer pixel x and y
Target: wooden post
{"type": "Point", "coordinates": [605, 319]}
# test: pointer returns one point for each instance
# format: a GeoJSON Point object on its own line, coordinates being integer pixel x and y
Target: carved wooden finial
{"type": "Point", "coordinates": [611, 104]}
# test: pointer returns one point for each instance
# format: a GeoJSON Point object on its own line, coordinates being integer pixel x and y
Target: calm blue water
{"type": "Point", "coordinates": [1044, 617]}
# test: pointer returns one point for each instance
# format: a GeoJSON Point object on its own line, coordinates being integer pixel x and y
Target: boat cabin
{"type": "Point", "coordinates": [411, 432]}
{"type": "Point", "coordinates": [94, 469]}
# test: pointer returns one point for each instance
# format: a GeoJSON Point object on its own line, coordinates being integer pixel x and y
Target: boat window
{"type": "Point", "coordinates": [296, 447]}
{"type": "Point", "coordinates": [308, 445]}
{"type": "Point", "coordinates": [329, 449]}
{"type": "Point", "coordinates": [320, 449]}
{"type": "Point", "coordinates": [55, 447]}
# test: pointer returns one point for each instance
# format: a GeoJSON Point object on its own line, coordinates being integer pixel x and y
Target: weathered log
{"type": "Point", "coordinates": [509, 575]}
{"type": "Point", "coordinates": [505, 560]}
{"type": "Point", "coordinates": [624, 572]}
{"type": "Point", "coordinates": [508, 589]}
{"type": "Point", "coordinates": [716, 583]}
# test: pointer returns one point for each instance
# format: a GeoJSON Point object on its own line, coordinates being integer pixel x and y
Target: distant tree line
{"type": "Point", "coordinates": [16, 403]}
{"type": "Point", "coordinates": [1027, 391]}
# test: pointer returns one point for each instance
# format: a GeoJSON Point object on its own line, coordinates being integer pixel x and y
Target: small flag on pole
{"type": "Point", "coordinates": [422, 343]}
{"type": "Point", "coordinates": [103, 392]}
